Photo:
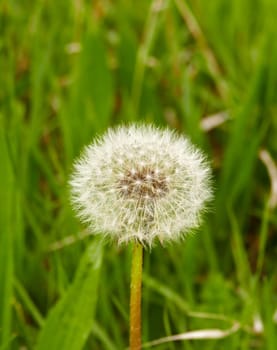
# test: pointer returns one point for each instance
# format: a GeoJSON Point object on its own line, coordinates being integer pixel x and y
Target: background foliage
{"type": "Point", "coordinates": [71, 69]}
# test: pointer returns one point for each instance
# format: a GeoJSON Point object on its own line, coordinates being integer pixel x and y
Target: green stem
{"type": "Point", "coordinates": [135, 297]}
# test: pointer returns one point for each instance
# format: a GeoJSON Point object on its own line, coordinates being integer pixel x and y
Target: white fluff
{"type": "Point", "coordinates": [140, 183]}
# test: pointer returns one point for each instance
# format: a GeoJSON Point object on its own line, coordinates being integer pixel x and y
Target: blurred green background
{"type": "Point", "coordinates": [71, 69]}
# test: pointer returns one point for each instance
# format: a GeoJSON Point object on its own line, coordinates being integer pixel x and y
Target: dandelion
{"type": "Point", "coordinates": [142, 184]}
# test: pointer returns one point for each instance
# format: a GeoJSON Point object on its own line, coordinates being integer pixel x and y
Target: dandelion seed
{"type": "Point", "coordinates": [141, 183]}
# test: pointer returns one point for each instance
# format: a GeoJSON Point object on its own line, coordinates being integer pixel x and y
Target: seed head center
{"type": "Point", "coordinates": [143, 183]}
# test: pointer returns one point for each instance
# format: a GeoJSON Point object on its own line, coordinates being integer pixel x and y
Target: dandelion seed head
{"type": "Point", "coordinates": [141, 183]}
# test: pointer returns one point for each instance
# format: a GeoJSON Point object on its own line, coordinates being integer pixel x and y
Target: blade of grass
{"type": "Point", "coordinates": [69, 323]}
{"type": "Point", "coordinates": [150, 31]}
{"type": "Point", "coordinates": [7, 197]}
{"type": "Point", "coordinates": [239, 253]}
{"type": "Point", "coordinates": [91, 102]}
{"type": "Point", "coordinates": [206, 51]}
{"type": "Point", "coordinates": [27, 301]}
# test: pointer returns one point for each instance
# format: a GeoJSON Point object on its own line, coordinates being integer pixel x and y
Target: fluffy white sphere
{"type": "Point", "coordinates": [140, 183]}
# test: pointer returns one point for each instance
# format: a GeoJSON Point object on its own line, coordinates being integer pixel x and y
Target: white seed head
{"type": "Point", "coordinates": [141, 183]}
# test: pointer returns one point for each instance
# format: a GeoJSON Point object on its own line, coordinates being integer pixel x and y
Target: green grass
{"type": "Point", "coordinates": [68, 71]}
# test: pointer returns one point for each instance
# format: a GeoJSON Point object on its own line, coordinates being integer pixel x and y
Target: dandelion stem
{"type": "Point", "coordinates": [135, 297]}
